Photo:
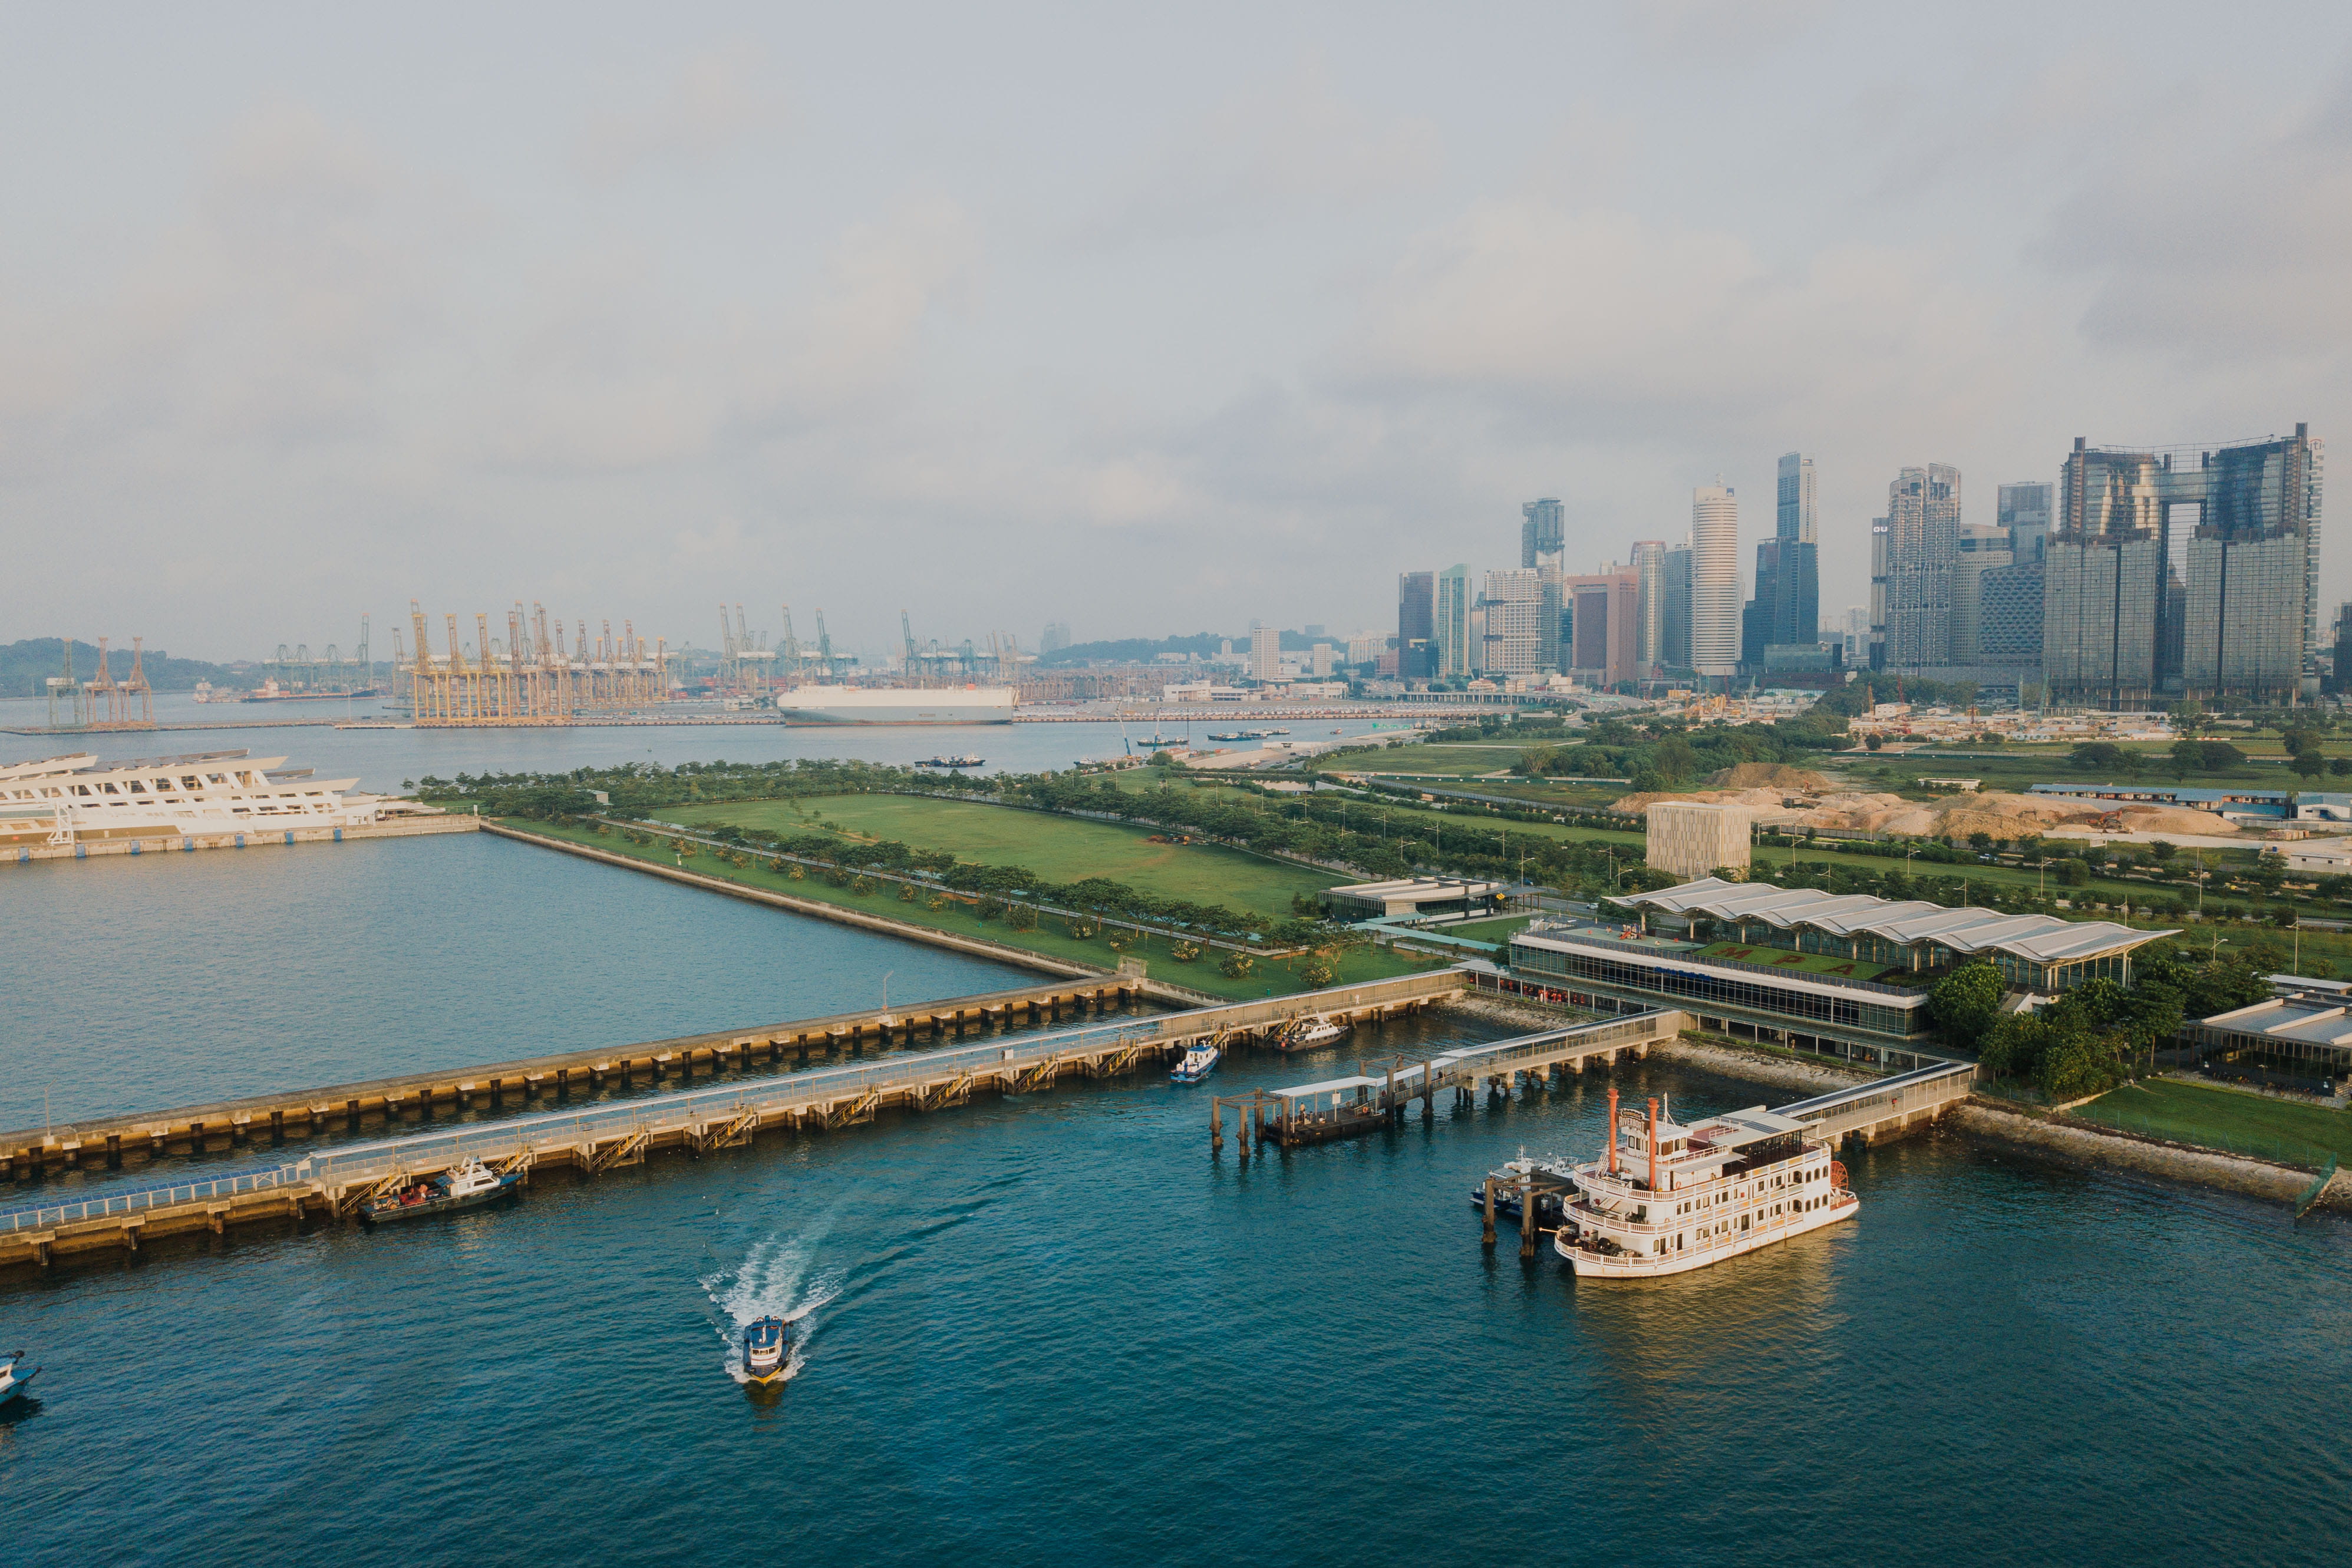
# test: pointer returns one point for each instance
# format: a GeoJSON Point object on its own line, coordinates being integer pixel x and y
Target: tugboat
{"type": "Point", "coordinates": [469, 1185]}
{"type": "Point", "coordinates": [763, 1351]}
{"type": "Point", "coordinates": [13, 1382]}
{"type": "Point", "coordinates": [1199, 1062]}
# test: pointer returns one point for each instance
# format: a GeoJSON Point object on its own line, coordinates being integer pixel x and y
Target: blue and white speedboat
{"type": "Point", "coordinates": [13, 1382]}
{"type": "Point", "coordinates": [1198, 1063]}
{"type": "Point", "coordinates": [763, 1351]}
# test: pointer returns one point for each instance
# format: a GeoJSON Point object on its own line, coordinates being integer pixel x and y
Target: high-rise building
{"type": "Point", "coordinates": [1543, 533]}
{"type": "Point", "coordinates": [1650, 605]}
{"type": "Point", "coordinates": [1265, 653]}
{"type": "Point", "coordinates": [1514, 635]}
{"type": "Point", "coordinates": [1056, 637]}
{"type": "Point", "coordinates": [1318, 661]}
{"type": "Point", "coordinates": [1603, 617]}
{"type": "Point", "coordinates": [2008, 615]}
{"type": "Point", "coordinates": [1882, 534]}
{"type": "Point", "coordinates": [1757, 616]}
{"type": "Point", "coordinates": [1450, 622]}
{"type": "Point", "coordinates": [2138, 607]}
{"type": "Point", "coordinates": [1981, 549]}
{"type": "Point", "coordinates": [1675, 616]}
{"type": "Point", "coordinates": [2024, 511]}
{"type": "Point", "coordinates": [2339, 673]}
{"type": "Point", "coordinates": [1416, 637]}
{"type": "Point", "coordinates": [1922, 516]}
{"type": "Point", "coordinates": [1714, 582]}
{"type": "Point", "coordinates": [1854, 637]}
{"type": "Point", "coordinates": [1796, 598]}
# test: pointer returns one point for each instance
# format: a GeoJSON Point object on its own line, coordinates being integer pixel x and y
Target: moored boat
{"type": "Point", "coordinates": [1198, 1062]}
{"type": "Point", "coordinates": [468, 1186]}
{"type": "Point", "coordinates": [1667, 1198]}
{"type": "Point", "coordinates": [952, 762]}
{"type": "Point", "coordinates": [1548, 1178]}
{"type": "Point", "coordinates": [763, 1350]}
{"type": "Point", "coordinates": [14, 1383]}
{"type": "Point", "coordinates": [1308, 1034]}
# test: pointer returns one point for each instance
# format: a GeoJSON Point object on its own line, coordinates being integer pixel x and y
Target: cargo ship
{"type": "Point", "coordinates": [890, 705]}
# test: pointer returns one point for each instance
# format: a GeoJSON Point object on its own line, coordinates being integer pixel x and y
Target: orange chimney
{"type": "Point", "coordinates": [1612, 1129]}
{"type": "Point", "coordinates": [1654, 1143]}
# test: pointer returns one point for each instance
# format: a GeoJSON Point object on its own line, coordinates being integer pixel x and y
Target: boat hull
{"type": "Point", "coordinates": [839, 705]}
{"type": "Point", "coordinates": [390, 1213]}
{"type": "Point", "coordinates": [16, 1389]}
{"type": "Point", "coordinates": [1624, 1266]}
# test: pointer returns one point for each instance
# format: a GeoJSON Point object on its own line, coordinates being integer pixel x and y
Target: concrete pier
{"type": "Point", "coordinates": [331, 1181]}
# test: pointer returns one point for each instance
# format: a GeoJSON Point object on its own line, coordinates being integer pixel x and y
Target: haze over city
{"type": "Point", "coordinates": [1149, 326]}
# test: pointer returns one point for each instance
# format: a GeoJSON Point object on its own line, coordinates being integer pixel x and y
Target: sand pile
{"type": "Point", "coordinates": [1769, 776]}
{"type": "Point", "coordinates": [1992, 813]}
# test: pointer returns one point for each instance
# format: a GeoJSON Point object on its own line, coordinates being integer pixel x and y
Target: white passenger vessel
{"type": "Point", "coordinates": [1668, 1198]}
{"type": "Point", "coordinates": [63, 801]}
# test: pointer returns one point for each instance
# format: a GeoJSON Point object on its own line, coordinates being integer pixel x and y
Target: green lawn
{"type": "Point", "coordinates": [1059, 849]}
{"type": "Point", "coordinates": [1460, 760]}
{"type": "Point", "coordinates": [1052, 939]}
{"type": "Point", "coordinates": [2226, 1119]}
{"type": "Point", "coordinates": [1499, 932]}
{"type": "Point", "coordinates": [1802, 962]}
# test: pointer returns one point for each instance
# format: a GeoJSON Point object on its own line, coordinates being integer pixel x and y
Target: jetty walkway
{"type": "Point", "coordinates": [332, 1181]}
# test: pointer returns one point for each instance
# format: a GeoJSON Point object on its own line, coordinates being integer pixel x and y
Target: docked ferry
{"type": "Point", "coordinates": [1668, 1198]}
{"type": "Point", "coordinates": [64, 800]}
{"type": "Point", "coordinates": [895, 705]}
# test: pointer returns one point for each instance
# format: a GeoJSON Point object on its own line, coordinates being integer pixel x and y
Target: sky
{"type": "Point", "coordinates": [1148, 323]}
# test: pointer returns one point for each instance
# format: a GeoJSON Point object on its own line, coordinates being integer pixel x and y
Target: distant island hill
{"type": "Point", "coordinates": [27, 664]}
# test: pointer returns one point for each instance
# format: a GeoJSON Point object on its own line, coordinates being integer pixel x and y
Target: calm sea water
{"type": "Point", "coordinates": [382, 759]}
{"type": "Point", "coordinates": [1055, 1330]}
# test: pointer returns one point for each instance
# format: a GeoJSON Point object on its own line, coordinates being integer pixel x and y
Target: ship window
{"type": "Point", "coordinates": [189, 781]}
{"type": "Point", "coordinates": [137, 787]}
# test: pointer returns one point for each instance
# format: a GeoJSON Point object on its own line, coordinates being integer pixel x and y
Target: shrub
{"type": "Point", "coordinates": [938, 901]}
{"type": "Point", "coordinates": [1021, 917]}
{"type": "Point", "coordinates": [905, 892]}
{"type": "Point", "coordinates": [1119, 941]}
{"type": "Point", "coordinates": [1185, 952]}
{"type": "Point", "coordinates": [1236, 964]}
{"type": "Point", "coordinates": [991, 909]}
{"type": "Point", "coordinates": [796, 872]}
{"type": "Point", "coordinates": [1082, 928]}
{"type": "Point", "coordinates": [1319, 971]}
{"type": "Point", "coordinates": [861, 885]}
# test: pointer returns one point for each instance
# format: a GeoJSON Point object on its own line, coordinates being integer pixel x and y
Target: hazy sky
{"type": "Point", "coordinates": [1007, 313]}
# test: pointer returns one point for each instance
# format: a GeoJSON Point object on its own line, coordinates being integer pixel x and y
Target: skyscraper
{"type": "Point", "coordinates": [1605, 623]}
{"type": "Point", "coordinates": [1265, 653]}
{"type": "Point", "coordinates": [1451, 622]}
{"type": "Point", "coordinates": [1674, 612]}
{"type": "Point", "coordinates": [1882, 533]}
{"type": "Point", "coordinates": [1796, 598]}
{"type": "Point", "coordinates": [1922, 516]}
{"type": "Point", "coordinates": [1543, 533]}
{"type": "Point", "coordinates": [1756, 617]}
{"type": "Point", "coordinates": [1650, 605]}
{"type": "Point", "coordinates": [2024, 511]}
{"type": "Point", "coordinates": [1056, 637]}
{"type": "Point", "coordinates": [1714, 582]}
{"type": "Point", "coordinates": [1417, 624]}
{"type": "Point", "coordinates": [1514, 633]}
{"type": "Point", "coordinates": [2135, 608]}
{"type": "Point", "coordinates": [1980, 551]}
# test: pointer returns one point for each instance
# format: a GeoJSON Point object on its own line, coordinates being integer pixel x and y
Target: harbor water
{"type": "Point", "coordinates": [1055, 1329]}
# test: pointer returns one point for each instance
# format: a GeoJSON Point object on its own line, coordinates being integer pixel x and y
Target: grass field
{"type": "Point", "coordinates": [1460, 760]}
{"type": "Point", "coordinates": [2226, 1119]}
{"type": "Point", "coordinates": [1802, 963]}
{"type": "Point", "coordinates": [1270, 978]}
{"type": "Point", "coordinates": [1059, 849]}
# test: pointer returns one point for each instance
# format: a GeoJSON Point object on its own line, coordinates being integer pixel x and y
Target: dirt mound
{"type": "Point", "coordinates": [1768, 776]}
{"type": "Point", "coordinates": [1997, 814]}
{"type": "Point", "coordinates": [1762, 800]}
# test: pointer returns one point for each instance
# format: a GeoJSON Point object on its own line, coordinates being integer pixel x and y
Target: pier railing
{"type": "Point", "coordinates": [148, 1197]}
{"type": "Point", "coordinates": [370, 1162]}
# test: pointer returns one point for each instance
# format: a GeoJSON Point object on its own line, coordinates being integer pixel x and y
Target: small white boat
{"type": "Point", "coordinates": [763, 1350]}
{"type": "Point", "coordinates": [1308, 1034]}
{"type": "Point", "coordinates": [13, 1382]}
{"type": "Point", "coordinates": [1199, 1062]}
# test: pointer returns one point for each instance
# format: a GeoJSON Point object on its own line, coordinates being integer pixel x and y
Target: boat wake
{"type": "Point", "coordinates": [776, 1279]}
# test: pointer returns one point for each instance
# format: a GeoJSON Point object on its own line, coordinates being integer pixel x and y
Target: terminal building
{"type": "Point", "coordinates": [1845, 974]}
{"type": "Point", "coordinates": [2258, 808]}
{"type": "Point", "coordinates": [1412, 898]}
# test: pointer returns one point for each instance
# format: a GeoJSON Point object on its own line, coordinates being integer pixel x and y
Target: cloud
{"type": "Point", "coordinates": [2217, 251]}
{"type": "Point", "coordinates": [1617, 325]}
{"type": "Point", "coordinates": [1282, 148]}
{"type": "Point", "coordinates": [608, 369]}
{"type": "Point", "coordinates": [1722, 30]}
{"type": "Point", "coordinates": [717, 100]}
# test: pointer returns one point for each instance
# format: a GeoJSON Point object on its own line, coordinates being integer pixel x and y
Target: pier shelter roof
{"type": "Point", "coordinates": [2041, 949]}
